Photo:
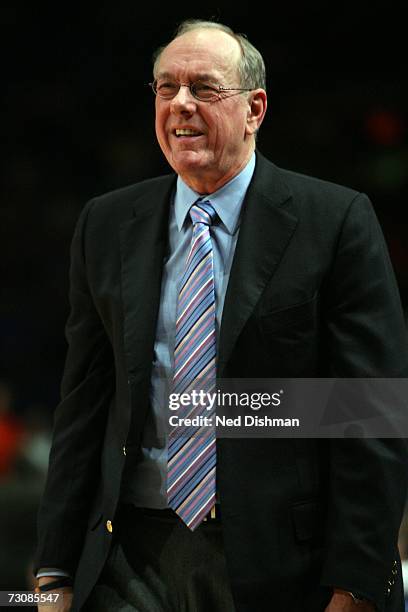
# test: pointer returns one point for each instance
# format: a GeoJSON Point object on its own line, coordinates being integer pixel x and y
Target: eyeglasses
{"type": "Point", "coordinates": [200, 90]}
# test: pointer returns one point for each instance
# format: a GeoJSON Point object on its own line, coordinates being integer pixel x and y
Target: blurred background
{"type": "Point", "coordinates": [79, 121]}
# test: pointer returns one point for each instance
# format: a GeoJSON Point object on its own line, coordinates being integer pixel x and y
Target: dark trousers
{"type": "Point", "coordinates": [157, 564]}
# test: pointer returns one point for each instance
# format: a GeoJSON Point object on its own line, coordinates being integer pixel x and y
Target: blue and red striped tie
{"type": "Point", "coordinates": [192, 450]}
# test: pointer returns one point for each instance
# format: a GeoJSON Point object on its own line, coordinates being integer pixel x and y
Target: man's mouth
{"type": "Point", "coordinates": [187, 132]}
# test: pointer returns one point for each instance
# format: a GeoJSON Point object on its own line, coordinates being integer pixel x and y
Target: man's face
{"type": "Point", "coordinates": [221, 143]}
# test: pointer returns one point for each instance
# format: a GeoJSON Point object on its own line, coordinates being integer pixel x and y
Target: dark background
{"type": "Point", "coordinates": [80, 121]}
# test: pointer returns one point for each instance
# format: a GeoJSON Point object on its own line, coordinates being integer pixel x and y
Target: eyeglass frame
{"type": "Point", "coordinates": [218, 89]}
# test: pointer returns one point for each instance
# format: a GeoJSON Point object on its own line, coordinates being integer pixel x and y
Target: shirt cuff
{"type": "Point", "coordinates": [51, 571]}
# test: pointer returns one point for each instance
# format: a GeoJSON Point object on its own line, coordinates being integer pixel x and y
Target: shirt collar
{"type": "Point", "coordinates": [227, 201]}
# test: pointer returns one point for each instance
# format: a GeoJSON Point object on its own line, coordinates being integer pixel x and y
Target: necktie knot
{"type": "Point", "coordinates": [202, 212]}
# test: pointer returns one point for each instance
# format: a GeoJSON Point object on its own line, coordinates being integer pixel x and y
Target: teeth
{"type": "Point", "coordinates": [187, 133]}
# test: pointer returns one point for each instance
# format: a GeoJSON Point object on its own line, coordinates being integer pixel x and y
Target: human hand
{"type": "Point", "coordinates": [342, 601]}
{"type": "Point", "coordinates": [63, 603]}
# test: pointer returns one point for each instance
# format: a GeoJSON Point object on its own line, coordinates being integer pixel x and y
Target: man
{"type": "Point", "coordinates": [297, 283]}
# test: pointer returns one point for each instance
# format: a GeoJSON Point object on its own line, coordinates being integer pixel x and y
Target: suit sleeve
{"type": "Point", "coordinates": [79, 422]}
{"type": "Point", "coordinates": [368, 477]}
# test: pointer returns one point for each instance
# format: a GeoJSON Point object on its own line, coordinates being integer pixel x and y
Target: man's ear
{"type": "Point", "coordinates": [257, 103]}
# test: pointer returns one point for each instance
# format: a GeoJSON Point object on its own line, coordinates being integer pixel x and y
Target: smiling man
{"type": "Point", "coordinates": [233, 268]}
{"type": "Point", "coordinates": [206, 144]}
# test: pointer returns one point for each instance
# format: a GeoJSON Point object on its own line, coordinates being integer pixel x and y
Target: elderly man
{"type": "Point", "coordinates": [234, 268]}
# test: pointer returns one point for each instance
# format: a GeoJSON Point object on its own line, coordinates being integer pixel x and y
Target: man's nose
{"type": "Point", "coordinates": [184, 101]}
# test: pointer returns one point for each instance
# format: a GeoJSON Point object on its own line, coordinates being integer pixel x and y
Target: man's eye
{"type": "Point", "coordinates": [167, 86]}
{"type": "Point", "coordinates": [205, 91]}
{"type": "Point", "coordinates": [205, 87]}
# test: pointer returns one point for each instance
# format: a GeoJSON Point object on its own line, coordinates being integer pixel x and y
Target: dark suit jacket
{"type": "Point", "coordinates": [311, 294]}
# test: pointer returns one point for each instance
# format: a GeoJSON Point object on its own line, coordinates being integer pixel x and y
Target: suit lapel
{"type": "Point", "coordinates": [143, 241]}
{"type": "Point", "coordinates": [267, 225]}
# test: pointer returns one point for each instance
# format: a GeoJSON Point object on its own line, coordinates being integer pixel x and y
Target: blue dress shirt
{"type": "Point", "coordinates": [144, 482]}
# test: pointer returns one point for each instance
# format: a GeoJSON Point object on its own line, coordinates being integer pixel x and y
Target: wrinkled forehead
{"type": "Point", "coordinates": [199, 53]}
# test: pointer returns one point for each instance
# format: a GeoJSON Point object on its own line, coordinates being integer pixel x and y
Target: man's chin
{"type": "Point", "coordinates": [185, 162]}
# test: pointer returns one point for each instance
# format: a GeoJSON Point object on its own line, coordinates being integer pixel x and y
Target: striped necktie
{"type": "Point", "coordinates": [192, 450]}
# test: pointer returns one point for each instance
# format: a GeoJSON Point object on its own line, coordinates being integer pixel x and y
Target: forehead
{"type": "Point", "coordinates": [200, 52]}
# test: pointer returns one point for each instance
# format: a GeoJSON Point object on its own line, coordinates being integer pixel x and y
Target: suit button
{"type": "Point", "coordinates": [109, 526]}
{"type": "Point", "coordinates": [124, 450]}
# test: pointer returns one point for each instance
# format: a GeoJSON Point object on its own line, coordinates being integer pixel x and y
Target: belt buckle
{"type": "Point", "coordinates": [212, 515]}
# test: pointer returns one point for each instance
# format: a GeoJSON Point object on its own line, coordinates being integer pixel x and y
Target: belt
{"type": "Point", "coordinates": [167, 513]}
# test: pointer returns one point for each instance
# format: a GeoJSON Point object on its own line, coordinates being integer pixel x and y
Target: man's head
{"type": "Point", "coordinates": [208, 142]}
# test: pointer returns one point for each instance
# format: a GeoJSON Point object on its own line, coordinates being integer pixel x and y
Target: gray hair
{"type": "Point", "coordinates": [251, 67]}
